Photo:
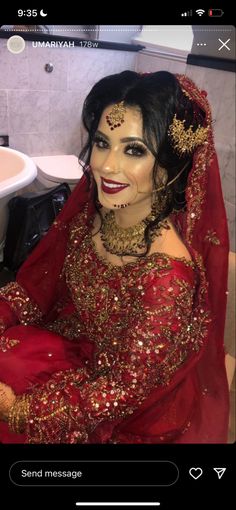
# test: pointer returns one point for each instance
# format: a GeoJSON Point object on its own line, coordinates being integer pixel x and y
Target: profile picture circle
{"type": "Point", "coordinates": [16, 44]}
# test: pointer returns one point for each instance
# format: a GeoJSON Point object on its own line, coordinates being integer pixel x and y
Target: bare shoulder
{"type": "Point", "coordinates": [171, 243]}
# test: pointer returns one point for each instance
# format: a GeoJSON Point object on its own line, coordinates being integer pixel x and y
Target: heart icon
{"type": "Point", "coordinates": [195, 472]}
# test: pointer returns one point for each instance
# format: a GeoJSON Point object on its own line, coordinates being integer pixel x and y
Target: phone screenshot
{"type": "Point", "coordinates": [117, 260]}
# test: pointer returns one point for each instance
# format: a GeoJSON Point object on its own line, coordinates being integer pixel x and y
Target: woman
{"type": "Point", "coordinates": [122, 305]}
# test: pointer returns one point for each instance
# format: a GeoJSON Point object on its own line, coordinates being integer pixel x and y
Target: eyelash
{"type": "Point", "coordinates": [98, 140]}
{"type": "Point", "coordinates": [138, 149]}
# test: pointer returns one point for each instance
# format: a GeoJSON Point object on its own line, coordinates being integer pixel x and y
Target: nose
{"type": "Point", "coordinates": [111, 163]}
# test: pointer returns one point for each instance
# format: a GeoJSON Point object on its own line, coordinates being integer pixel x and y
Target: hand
{"type": "Point", "coordinates": [7, 399]}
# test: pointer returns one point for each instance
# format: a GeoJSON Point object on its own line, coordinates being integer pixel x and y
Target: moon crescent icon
{"type": "Point", "coordinates": [42, 13]}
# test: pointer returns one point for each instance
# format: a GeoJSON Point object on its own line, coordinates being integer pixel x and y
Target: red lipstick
{"type": "Point", "coordinates": [111, 187]}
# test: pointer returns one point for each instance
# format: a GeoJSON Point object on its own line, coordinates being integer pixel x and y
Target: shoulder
{"type": "Point", "coordinates": [170, 283]}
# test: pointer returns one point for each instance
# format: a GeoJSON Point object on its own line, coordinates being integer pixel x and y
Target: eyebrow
{"type": "Point", "coordinates": [123, 140]}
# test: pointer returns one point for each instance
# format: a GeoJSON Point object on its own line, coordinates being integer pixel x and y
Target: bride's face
{"type": "Point", "coordinates": [121, 162]}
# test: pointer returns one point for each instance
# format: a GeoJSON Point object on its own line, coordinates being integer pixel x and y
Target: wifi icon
{"type": "Point", "coordinates": [200, 12]}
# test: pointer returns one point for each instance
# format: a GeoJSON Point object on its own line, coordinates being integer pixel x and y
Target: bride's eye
{"type": "Point", "coordinates": [100, 142]}
{"type": "Point", "coordinates": [136, 150]}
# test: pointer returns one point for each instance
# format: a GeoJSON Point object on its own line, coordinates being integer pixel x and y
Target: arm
{"type": "Point", "coordinates": [7, 317]}
{"type": "Point", "coordinates": [70, 405]}
{"type": "Point", "coordinates": [16, 307]}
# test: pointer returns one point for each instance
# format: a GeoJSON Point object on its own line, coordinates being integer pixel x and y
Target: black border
{"type": "Point", "coordinates": [223, 64]}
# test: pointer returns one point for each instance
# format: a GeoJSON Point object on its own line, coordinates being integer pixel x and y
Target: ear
{"type": "Point", "coordinates": [161, 176]}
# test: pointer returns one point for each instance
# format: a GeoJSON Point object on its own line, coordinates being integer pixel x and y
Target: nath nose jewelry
{"type": "Point", "coordinates": [116, 116]}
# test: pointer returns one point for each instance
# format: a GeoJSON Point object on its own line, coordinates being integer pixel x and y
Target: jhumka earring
{"type": "Point", "coordinates": [159, 201]}
{"type": "Point", "coordinates": [116, 116]}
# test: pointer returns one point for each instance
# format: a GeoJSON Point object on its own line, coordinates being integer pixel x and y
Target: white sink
{"type": "Point", "coordinates": [16, 171]}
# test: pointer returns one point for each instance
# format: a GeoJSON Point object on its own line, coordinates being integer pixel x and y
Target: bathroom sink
{"type": "Point", "coordinates": [17, 170]}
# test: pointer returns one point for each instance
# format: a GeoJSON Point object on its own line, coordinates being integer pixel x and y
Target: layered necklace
{"type": "Point", "coordinates": [118, 240]}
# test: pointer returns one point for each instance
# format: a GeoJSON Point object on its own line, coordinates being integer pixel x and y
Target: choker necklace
{"type": "Point", "coordinates": [118, 240]}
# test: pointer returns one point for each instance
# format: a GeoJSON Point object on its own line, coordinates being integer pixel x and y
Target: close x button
{"type": "Point", "coordinates": [224, 44]}
{"type": "Point", "coordinates": [94, 473]}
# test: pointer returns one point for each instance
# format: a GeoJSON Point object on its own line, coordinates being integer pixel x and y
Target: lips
{"type": "Point", "coordinates": [109, 186]}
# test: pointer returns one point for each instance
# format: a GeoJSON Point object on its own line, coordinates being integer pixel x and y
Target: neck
{"type": "Point", "coordinates": [133, 214]}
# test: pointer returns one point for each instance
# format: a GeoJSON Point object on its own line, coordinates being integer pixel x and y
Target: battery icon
{"type": "Point", "coordinates": [215, 13]}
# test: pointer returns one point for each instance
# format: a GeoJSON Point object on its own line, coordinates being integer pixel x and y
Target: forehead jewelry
{"type": "Point", "coordinates": [116, 116]}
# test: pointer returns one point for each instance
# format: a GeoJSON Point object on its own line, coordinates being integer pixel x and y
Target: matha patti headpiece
{"type": "Point", "coordinates": [116, 116]}
{"type": "Point", "coordinates": [186, 140]}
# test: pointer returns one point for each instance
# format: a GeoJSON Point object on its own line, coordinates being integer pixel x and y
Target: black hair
{"type": "Point", "coordinates": [159, 97]}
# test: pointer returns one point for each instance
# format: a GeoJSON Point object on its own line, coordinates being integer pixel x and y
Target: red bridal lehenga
{"type": "Point", "coordinates": [131, 354]}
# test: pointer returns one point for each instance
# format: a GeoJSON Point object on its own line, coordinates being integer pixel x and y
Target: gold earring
{"type": "Point", "coordinates": [159, 200]}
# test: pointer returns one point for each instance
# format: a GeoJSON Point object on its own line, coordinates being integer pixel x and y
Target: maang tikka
{"type": "Point", "coordinates": [116, 116]}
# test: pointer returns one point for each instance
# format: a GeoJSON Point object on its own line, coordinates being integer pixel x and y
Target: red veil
{"type": "Point", "coordinates": [203, 227]}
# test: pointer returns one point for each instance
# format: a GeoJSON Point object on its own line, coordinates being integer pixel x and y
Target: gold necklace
{"type": "Point", "coordinates": [118, 240]}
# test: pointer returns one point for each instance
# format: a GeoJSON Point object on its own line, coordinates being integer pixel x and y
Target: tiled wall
{"type": "Point", "coordinates": [41, 111]}
{"type": "Point", "coordinates": [220, 86]}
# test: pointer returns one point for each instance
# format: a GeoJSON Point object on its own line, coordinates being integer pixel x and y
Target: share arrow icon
{"type": "Point", "coordinates": [219, 472]}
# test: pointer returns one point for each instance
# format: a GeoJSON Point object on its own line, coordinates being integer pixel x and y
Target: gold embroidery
{"type": "Point", "coordinates": [55, 408]}
{"type": "Point", "coordinates": [2, 326]}
{"type": "Point", "coordinates": [196, 189]}
{"type": "Point", "coordinates": [70, 326]}
{"type": "Point", "coordinates": [211, 237]}
{"type": "Point", "coordinates": [26, 310]}
{"type": "Point", "coordinates": [100, 300]}
{"type": "Point", "coordinates": [96, 298]}
{"type": "Point", "coordinates": [7, 343]}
